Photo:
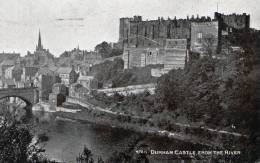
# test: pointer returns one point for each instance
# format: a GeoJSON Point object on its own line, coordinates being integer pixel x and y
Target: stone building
{"type": "Point", "coordinates": [134, 32]}
{"type": "Point", "coordinates": [9, 56]}
{"type": "Point", "coordinates": [76, 54]}
{"type": "Point", "coordinates": [92, 58]}
{"type": "Point", "coordinates": [14, 72]}
{"type": "Point", "coordinates": [68, 75]}
{"type": "Point", "coordinates": [141, 57]}
{"type": "Point", "coordinates": [41, 56]}
{"type": "Point", "coordinates": [4, 65]}
{"type": "Point", "coordinates": [77, 90]}
{"type": "Point", "coordinates": [233, 21]}
{"type": "Point", "coordinates": [9, 83]}
{"type": "Point", "coordinates": [172, 56]}
{"type": "Point", "coordinates": [88, 82]}
{"type": "Point", "coordinates": [28, 59]}
{"type": "Point", "coordinates": [205, 34]}
{"type": "Point", "coordinates": [176, 54]}
{"type": "Point", "coordinates": [29, 73]}
{"type": "Point", "coordinates": [146, 42]}
{"type": "Point", "coordinates": [58, 95]}
{"type": "Point", "coordinates": [44, 80]}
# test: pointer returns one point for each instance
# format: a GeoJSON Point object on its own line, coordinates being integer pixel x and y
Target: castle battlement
{"type": "Point", "coordinates": [135, 31]}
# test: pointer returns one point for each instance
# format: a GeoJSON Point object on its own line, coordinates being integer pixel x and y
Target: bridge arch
{"type": "Point", "coordinates": [28, 95]}
{"type": "Point", "coordinates": [27, 101]}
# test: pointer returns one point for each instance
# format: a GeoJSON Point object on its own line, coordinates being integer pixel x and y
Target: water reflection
{"type": "Point", "coordinates": [67, 139]}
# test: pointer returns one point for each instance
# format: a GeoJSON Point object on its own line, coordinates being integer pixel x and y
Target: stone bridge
{"type": "Point", "coordinates": [29, 95]}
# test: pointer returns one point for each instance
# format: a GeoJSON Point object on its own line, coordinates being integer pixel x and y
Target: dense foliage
{"type": "Point", "coordinates": [107, 51]}
{"type": "Point", "coordinates": [113, 73]}
{"type": "Point", "coordinates": [217, 92]}
{"type": "Point", "coordinates": [16, 143]}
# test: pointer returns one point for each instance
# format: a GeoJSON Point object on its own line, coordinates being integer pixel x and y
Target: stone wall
{"type": "Point", "coordinates": [141, 57]}
{"type": "Point", "coordinates": [29, 95]}
{"type": "Point", "coordinates": [134, 32]}
{"type": "Point", "coordinates": [175, 59]}
{"type": "Point", "coordinates": [236, 21]}
{"type": "Point", "coordinates": [200, 32]}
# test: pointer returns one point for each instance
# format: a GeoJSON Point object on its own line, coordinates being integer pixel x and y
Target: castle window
{"type": "Point", "coordinates": [199, 37]}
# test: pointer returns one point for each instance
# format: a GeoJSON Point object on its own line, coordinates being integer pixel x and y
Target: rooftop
{"type": "Point", "coordinates": [7, 62]}
{"type": "Point", "coordinates": [83, 77]}
{"type": "Point", "coordinates": [9, 82]}
{"type": "Point", "coordinates": [64, 70]}
{"type": "Point", "coordinates": [46, 71]}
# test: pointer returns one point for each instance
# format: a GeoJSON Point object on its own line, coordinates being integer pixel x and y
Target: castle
{"type": "Point", "coordinates": [134, 32]}
{"type": "Point", "coordinates": [142, 40]}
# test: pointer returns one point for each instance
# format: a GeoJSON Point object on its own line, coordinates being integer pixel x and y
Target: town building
{"type": "Point", "coordinates": [58, 95]}
{"type": "Point", "coordinates": [41, 56]}
{"type": "Point", "coordinates": [28, 60]}
{"type": "Point", "coordinates": [20, 84]}
{"type": "Point", "coordinates": [92, 58]}
{"type": "Point", "coordinates": [60, 88]}
{"type": "Point", "coordinates": [29, 73]}
{"type": "Point", "coordinates": [9, 83]}
{"type": "Point", "coordinates": [14, 72]}
{"type": "Point", "coordinates": [44, 80]}
{"type": "Point", "coordinates": [68, 75]}
{"type": "Point", "coordinates": [4, 65]}
{"type": "Point", "coordinates": [77, 57]}
{"type": "Point", "coordinates": [9, 56]}
{"type": "Point", "coordinates": [88, 82]}
{"type": "Point", "coordinates": [77, 90]}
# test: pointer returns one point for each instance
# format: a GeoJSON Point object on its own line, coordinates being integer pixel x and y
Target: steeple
{"type": "Point", "coordinates": [39, 46]}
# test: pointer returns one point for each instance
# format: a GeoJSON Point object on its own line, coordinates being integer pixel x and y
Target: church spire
{"type": "Point", "coordinates": [39, 46]}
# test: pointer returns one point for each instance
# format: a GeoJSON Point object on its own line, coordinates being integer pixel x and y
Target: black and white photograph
{"type": "Point", "coordinates": [129, 81]}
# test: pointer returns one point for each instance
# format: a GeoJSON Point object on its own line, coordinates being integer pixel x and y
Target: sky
{"type": "Point", "coordinates": [65, 24]}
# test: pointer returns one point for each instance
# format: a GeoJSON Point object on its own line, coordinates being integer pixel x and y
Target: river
{"type": "Point", "coordinates": [67, 139]}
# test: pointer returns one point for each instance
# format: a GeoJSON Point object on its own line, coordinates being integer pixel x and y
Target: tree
{"type": "Point", "coordinates": [107, 51]}
{"type": "Point", "coordinates": [104, 49]}
{"type": "Point", "coordinates": [116, 52]}
{"type": "Point", "coordinates": [169, 91]}
{"type": "Point", "coordinates": [16, 144]}
{"type": "Point", "coordinates": [85, 157]}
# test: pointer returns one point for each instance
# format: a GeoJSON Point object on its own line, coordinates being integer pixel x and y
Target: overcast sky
{"type": "Point", "coordinates": [64, 24]}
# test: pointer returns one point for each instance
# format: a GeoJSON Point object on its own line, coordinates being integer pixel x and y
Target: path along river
{"type": "Point", "coordinates": [67, 139]}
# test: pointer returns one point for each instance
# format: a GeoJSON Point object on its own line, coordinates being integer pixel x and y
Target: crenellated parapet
{"type": "Point", "coordinates": [135, 32]}
{"type": "Point", "coordinates": [236, 21]}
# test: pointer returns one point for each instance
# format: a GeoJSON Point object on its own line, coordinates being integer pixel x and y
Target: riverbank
{"type": "Point", "coordinates": [183, 132]}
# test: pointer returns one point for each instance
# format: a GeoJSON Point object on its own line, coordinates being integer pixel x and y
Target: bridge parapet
{"type": "Point", "coordinates": [27, 94]}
